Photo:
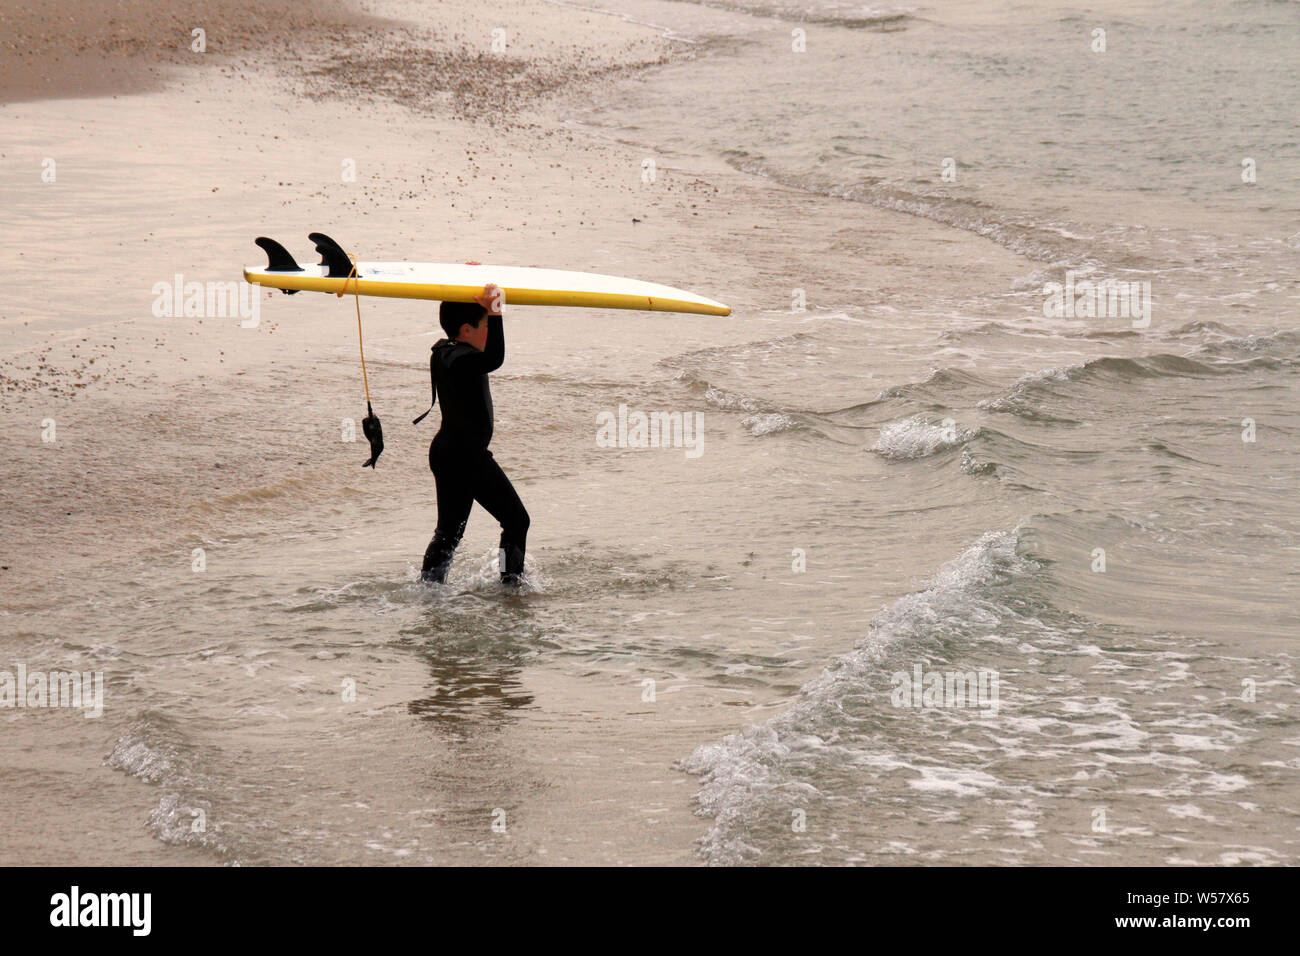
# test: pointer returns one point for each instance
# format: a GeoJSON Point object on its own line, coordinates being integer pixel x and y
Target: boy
{"type": "Point", "coordinates": [464, 471]}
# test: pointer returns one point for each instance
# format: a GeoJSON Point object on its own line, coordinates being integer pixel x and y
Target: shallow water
{"type": "Point", "coordinates": [1049, 438]}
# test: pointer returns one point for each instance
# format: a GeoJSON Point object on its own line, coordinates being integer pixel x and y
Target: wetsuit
{"type": "Point", "coordinates": [464, 471]}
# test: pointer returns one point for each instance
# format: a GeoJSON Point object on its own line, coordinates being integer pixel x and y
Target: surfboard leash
{"type": "Point", "coordinates": [370, 426]}
{"type": "Point", "coordinates": [361, 345]}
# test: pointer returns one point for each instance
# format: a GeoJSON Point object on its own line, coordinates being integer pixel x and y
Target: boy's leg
{"type": "Point", "coordinates": [498, 497]}
{"type": "Point", "coordinates": [455, 499]}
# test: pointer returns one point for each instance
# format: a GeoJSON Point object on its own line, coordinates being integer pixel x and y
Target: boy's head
{"type": "Point", "coordinates": [454, 316]}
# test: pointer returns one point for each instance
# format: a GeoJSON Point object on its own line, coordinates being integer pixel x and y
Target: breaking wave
{"type": "Point", "coordinates": [772, 764]}
{"type": "Point", "coordinates": [917, 437]}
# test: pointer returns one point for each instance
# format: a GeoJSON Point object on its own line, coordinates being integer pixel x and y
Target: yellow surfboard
{"type": "Point", "coordinates": [454, 282]}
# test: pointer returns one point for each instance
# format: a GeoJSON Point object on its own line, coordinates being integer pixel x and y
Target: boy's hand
{"type": "Point", "coordinates": [491, 298]}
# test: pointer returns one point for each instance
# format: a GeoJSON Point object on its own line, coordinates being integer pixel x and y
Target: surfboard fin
{"type": "Point", "coordinates": [277, 256]}
{"type": "Point", "coordinates": [278, 259]}
{"type": "Point", "coordinates": [332, 255]}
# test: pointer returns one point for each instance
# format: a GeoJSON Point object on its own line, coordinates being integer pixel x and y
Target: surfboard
{"type": "Point", "coordinates": [456, 282]}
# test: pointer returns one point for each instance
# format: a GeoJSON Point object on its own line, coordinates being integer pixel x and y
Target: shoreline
{"type": "Point", "coordinates": [129, 47]}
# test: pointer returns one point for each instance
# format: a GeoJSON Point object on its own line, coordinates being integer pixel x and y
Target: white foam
{"type": "Point", "coordinates": [768, 762]}
{"type": "Point", "coordinates": [917, 437]}
{"type": "Point", "coordinates": [962, 783]}
{"type": "Point", "coordinates": [730, 401]}
{"type": "Point", "coordinates": [138, 759]}
{"type": "Point", "coordinates": [760, 425]}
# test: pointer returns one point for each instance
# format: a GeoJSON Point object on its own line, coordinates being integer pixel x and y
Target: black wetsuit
{"type": "Point", "coordinates": [464, 471]}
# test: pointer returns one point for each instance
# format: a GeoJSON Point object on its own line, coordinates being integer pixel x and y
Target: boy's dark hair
{"type": "Point", "coordinates": [452, 315]}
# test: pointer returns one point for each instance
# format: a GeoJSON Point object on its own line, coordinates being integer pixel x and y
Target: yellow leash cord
{"type": "Point", "coordinates": [360, 343]}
